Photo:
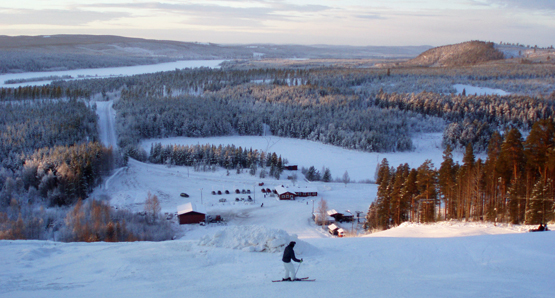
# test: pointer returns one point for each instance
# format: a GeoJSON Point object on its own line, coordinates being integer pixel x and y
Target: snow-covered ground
{"type": "Point", "coordinates": [104, 72]}
{"type": "Point", "coordinates": [488, 264]}
{"type": "Point", "coordinates": [360, 165]}
{"type": "Point", "coordinates": [471, 90]}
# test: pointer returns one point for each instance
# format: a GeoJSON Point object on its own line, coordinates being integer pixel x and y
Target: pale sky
{"type": "Point", "coordinates": [339, 22]}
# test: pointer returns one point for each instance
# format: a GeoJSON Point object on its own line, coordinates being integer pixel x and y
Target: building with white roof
{"type": "Point", "coordinates": [191, 213]}
{"type": "Point", "coordinates": [290, 193]}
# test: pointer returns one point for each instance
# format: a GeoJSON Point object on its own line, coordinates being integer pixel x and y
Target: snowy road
{"type": "Point", "coordinates": [107, 123]}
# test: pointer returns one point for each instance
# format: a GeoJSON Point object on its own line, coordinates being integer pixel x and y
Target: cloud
{"type": "Point", "coordinates": [526, 4]}
{"type": "Point", "coordinates": [55, 17]}
{"type": "Point", "coordinates": [370, 16]}
{"type": "Point", "coordinates": [265, 10]}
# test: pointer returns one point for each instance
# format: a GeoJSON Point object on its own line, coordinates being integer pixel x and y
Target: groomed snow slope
{"type": "Point", "coordinates": [503, 265]}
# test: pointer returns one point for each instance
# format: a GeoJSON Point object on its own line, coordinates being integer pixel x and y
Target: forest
{"type": "Point", "coordinates": [513, 184]}
{"type": "Point", "coordinates": [51, 159]}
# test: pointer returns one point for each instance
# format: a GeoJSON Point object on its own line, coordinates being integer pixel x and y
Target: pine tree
{"type": "Point", "coordinates": [427, 183]}
{"type": "Point", "coordinates": [510, 166]}
{"type": "Point", "coordinates": [540, 139]}
{"type": "Point", "coordinates": [494, 197]}
{"type": "Point", "coordinates": [327, 175]}
{"type": "Point", "coordinates": [446, 181]}
{"type": "Point", "coordinates": [383, 172]}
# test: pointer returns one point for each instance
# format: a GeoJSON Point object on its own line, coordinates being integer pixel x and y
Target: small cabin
{"type": "Point", "coordinates": [341, 217]}
{"type": "Point", "coordinates": [191, 213]}
{"type": "Point", "coordinates": [336, 230]}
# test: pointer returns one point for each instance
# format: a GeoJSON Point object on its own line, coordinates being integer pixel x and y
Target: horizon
{"type": "Point", "coordinates": [230, 44]}
{"type": "Point", "coordinates": [283, 22]}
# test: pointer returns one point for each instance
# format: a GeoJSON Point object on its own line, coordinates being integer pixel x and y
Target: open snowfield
{"type": "Point", "coordinates": [360, 165]}
{"type": "Point", "coordinates": [471, 90]}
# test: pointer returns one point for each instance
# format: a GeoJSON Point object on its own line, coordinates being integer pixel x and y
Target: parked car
{"type": "Point", "coordinates": [222, 200]}
{"type": "Point", "coordinates": [184, 195]}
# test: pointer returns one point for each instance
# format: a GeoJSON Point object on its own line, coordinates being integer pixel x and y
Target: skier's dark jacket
{"type": "Point", "coordinates": [289, 254]}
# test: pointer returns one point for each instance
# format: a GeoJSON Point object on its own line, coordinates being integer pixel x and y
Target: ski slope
{"type": "Point", "coordinates": [488, 265]}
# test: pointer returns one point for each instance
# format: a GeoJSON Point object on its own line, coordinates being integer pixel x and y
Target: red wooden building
{"type": "Point", "coordinates": [290, 193]}
{"type": "Point", "coordinates": [191, 213]}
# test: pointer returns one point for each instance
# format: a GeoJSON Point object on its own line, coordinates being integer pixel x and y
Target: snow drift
{"type": "Point", "coordinates": [253, 239]}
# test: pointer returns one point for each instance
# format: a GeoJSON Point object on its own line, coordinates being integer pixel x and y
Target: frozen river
{"type": "Point", "coordinates": [39, 78]}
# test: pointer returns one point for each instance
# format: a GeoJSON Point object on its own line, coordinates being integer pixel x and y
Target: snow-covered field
{"type": "Point", "coordinates": [104, 72]}
{"type": "Point", "coordinates": [471, 90]}
{"type": "Point", "coordinates": [360, 165]}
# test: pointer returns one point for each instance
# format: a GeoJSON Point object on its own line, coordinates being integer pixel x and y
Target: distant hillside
{"type": "Point", "coordinates": [462, 54]}
{"type": "Point", "coordinates": [60, 52]}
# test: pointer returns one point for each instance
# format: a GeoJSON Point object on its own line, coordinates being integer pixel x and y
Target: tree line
{"type": "Point", "coordinates": [513, 185]}
{"type": "Point", "coordinates": [473, 119]}
{"type": "Point", "coordinates": [228, 157]}
{"type": "Point", "coordinates": [41, 92]}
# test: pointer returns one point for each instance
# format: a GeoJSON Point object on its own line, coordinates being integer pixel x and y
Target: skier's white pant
{"type": "Point", "coordinates": [289, 270]}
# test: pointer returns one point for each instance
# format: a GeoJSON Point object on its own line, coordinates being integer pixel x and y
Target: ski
{"type": "Point", "coordinates": [298, 279]}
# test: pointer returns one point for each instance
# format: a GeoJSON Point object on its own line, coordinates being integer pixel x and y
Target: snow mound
{"type": "Point", "coordinates": [251, 239]}
{"type": "Point", "coordinates": [449, 229]}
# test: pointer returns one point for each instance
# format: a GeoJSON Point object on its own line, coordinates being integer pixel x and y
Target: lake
{"type": "Point", "coordinates": [40, 78]}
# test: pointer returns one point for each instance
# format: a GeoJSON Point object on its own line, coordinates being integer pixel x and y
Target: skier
{"type": "Point", "coordinates": [288, 255]}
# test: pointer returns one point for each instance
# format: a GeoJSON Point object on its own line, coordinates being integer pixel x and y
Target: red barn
{"type": "Point", "coordinates": [191, 213]}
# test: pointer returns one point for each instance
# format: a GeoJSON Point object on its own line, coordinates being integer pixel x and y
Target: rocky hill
{"type": "Point", "coordinates": [462, 54]}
